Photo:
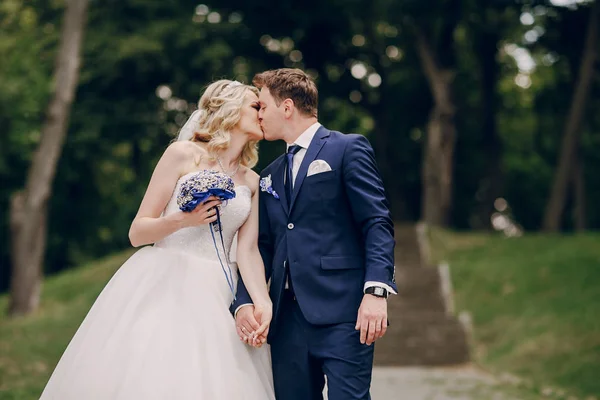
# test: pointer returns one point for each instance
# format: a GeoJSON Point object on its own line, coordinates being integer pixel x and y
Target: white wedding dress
{"type": "Point", "coordinates": [161, 328]}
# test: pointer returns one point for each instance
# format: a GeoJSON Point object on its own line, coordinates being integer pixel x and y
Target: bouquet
{"type": "Point", "coordinates": [199, 187]}
{"type": "Point", "coordinates": [196, 190]}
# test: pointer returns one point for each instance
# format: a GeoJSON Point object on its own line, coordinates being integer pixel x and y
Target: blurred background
{"type": "Point", "coordinates": [483, 115]}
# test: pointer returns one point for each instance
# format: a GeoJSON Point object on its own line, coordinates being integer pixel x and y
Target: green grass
{"type": "Point", "coordinates": [31, 346]}
{"type": "Point", "coordinates": [535, 303]}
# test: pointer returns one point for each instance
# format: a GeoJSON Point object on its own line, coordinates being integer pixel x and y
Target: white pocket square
{"type": "Point", "coordinates": [317, 167]}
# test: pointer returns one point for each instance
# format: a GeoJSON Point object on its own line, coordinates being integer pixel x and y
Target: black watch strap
{"type": "Point", "coordinates": [377, 291]}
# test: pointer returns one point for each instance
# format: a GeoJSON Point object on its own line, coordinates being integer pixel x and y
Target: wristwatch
{"type": "Point", "coordinates": [377, 291]}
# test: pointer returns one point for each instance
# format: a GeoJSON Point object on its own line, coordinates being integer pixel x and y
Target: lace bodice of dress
{"type": "Point", "coordinates": [198, 240]}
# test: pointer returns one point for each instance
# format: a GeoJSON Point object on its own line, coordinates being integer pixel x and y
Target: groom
{"type": "Point", "coordinates": [326, 238]}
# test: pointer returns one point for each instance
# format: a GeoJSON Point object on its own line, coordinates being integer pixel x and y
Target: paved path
{"type": "Point", "coordinates": [459, 383]}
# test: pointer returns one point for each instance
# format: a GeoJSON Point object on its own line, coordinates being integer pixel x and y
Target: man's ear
{"type": "Point", "coordinates": [288, 107]}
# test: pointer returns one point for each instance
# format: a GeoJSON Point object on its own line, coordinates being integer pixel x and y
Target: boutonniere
{"type": "Point", "coordinates": [266, 185]}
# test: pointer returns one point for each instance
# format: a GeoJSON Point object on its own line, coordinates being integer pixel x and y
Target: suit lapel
{"type": "Point", "coordinates": [312, 152]}
{"type": "Point", "coordinates": [277, 179]}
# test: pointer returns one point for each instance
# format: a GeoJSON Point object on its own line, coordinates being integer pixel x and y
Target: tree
{"type": "Point", "coordinates": [28, 214]}
{"type": "Point", "coordinates": [566, 168]}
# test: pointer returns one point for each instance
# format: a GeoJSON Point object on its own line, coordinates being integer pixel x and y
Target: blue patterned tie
{"type": "Point", "coordinates": [289, 177]}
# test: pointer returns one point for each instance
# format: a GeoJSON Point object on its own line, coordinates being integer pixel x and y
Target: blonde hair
{"type": "Point", "coordinates": [220, 110]}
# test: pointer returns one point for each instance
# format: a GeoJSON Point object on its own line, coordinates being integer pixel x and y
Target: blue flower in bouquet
{"type": "Point", "coordinates": [199, 187]}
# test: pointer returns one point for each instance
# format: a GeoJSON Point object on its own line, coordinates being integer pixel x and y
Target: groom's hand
{"type": "Point", "coordinates": [246, 323]}
{"type": "Point", "coordinates": [372, 319]}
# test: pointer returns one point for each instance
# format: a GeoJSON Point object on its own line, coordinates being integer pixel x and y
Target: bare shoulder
{"type": "Point", "coordinates": [183, 148]}
{"type": "Point", "coordinates": [188, 154]}
{"type": "Point", "coordinates": [251, 179]}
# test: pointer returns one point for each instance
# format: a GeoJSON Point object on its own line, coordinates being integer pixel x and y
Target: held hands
{"type": "Point", "coordinates": [372, 319]}
{"type": "Point", "coordinates": [202, 214]}
{"type": "Point", "coordinates": [252, 323]}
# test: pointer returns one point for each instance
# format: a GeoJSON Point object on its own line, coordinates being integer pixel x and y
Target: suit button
{"type": "Point", "coordinates": [290, 226]}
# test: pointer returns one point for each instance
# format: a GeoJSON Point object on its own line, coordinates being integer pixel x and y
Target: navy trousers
{"type": "Point", "coordinates": [303, 353]}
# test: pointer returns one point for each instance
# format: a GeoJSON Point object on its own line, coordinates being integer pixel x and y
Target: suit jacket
{"type": "Point", "coordinates": [335, 235]}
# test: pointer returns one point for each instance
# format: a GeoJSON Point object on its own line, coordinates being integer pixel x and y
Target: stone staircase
{"type": "Point", "coordinates": [423, 329]}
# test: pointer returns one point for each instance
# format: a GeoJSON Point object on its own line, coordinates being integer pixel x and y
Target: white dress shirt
{"type": "Point", "coordinates": [303, 141]}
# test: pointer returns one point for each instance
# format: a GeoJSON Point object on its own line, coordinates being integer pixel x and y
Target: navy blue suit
{"type": "Point", "coordinates": [335, 235]}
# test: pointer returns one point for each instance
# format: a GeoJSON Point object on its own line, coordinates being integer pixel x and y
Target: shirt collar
{"type": "Point", "coordinates": [306, 137]}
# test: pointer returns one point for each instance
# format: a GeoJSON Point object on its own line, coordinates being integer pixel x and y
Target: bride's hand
{"type": "Point", "coordinates": [202, 214]}
{"type": "Point", "coordinates": [263, 314]}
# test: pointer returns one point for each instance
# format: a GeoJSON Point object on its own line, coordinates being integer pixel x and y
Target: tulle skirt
{"type": "Point", "coordinates": [161, 329]}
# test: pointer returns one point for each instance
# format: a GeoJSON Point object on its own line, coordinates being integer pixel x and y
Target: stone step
{"type": "Point", "coordinates": [425, 304]}
{"type": "Point", "coordinates": [407, 251]}
{"type": "Point", "coordinates": [418, 290]}
{"type": "Point", "coordinates": [423, 331]}
{"type": "Point", "coordinates": [416, 280]}
{"type": "Point", "coordinates": [423, 339]}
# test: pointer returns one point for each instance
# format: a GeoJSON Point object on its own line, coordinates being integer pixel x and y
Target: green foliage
{"type": "Point", "coordinates": [534, 301]}
{"type": "Point", "coordinates": [119, 125]}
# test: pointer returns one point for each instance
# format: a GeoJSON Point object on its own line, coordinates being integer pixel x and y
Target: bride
{"type": "Point", "coordinates": [161, 328]}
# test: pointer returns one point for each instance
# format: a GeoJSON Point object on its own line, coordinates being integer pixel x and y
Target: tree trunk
{"type": "Point", "coordinates": [28, 213]}
{"type": "Point", "coordinates": [572, 130]}
{"type": "Point", "coordinates": [438, 155]}
{"type": "Point", "coordinates": [579, 196]}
